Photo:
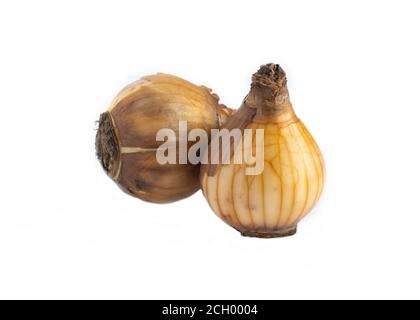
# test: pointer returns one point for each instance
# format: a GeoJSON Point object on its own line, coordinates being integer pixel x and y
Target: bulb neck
{"type": "Point", "coordinates": [269, 94]}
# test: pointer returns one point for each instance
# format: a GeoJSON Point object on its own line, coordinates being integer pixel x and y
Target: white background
{"type": "Point", "coordinates": [66, 231]}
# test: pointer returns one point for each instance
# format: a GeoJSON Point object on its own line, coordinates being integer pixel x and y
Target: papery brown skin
{"type": "Point", "coordinates": [272, 203]}
{"type": "Point", "coordinates": [126, 138]}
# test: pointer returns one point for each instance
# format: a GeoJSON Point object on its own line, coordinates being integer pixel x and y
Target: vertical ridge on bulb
{"type": "Point", "coordinates": [312, 172]}
{"type": "Point", "coordinates": [301, 145]}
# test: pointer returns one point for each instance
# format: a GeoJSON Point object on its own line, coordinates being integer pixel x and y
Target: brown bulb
{"type": "Point", "coordinates": [126, 138]}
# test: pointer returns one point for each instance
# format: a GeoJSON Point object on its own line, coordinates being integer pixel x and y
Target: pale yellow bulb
{"type": "Point", "coordinates": [271, 203]}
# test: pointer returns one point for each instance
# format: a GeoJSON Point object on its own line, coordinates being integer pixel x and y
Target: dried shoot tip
{"type": "Point", "coordinates": [270, 75]}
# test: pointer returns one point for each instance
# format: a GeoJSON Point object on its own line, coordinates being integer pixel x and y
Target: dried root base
{"type": "Point", "coordinates": [286, 232]}
{"type": "Point", "coordinates": [107, 147]}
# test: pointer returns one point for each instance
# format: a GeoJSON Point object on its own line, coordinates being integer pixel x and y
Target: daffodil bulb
{"type": "Point", "coordinates": [269, 198]}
